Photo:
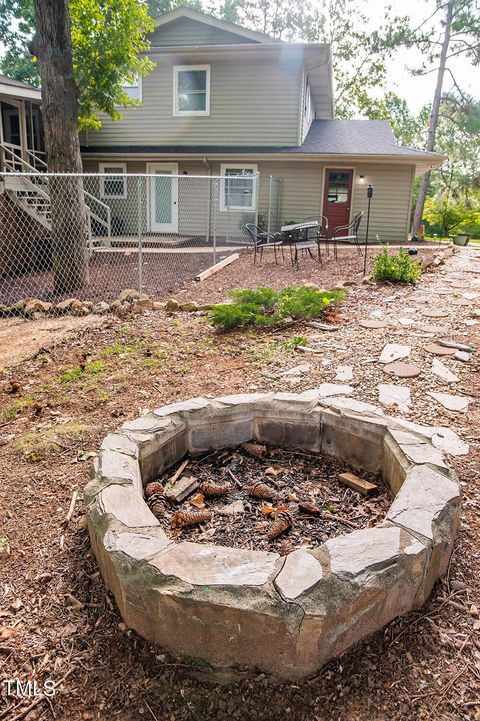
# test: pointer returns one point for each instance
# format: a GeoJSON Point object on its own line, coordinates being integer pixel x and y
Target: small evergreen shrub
{"type": "Point", "coordinates": [398, 268]}
{"type": "Point", "coordinates": [266, 307]}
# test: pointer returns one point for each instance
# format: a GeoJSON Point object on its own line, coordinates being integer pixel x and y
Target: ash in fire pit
{"type": "Point", "coordinates": [263, 498]}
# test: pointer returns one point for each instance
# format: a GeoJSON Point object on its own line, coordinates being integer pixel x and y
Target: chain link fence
{"type": "Point", "coordinates": [90, 236]}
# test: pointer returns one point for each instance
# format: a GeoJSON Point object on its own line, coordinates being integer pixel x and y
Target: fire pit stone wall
{"type": "Point", "coordinates": [233, 609]}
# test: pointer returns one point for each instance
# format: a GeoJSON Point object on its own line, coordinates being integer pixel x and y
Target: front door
{"type": "Point", "coordinates": [337, 197]}
{"type": "Point", "coordinates": [163, 197]}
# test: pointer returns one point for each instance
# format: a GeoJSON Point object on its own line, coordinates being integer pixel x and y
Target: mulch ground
{"type": "Point", "coordinates": [109, 274]}
{"type": "Point", "coordinates": [265, 481]}
{"type": "Point", "coordinates": [165, 273]}
{"type": "Point", "coordinates": [58, 622]}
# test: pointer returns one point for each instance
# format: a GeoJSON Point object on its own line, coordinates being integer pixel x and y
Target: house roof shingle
{"type": "Point", "coordinates": [5, 80]}
{"type": "Point", "coordinates": [325, 137]}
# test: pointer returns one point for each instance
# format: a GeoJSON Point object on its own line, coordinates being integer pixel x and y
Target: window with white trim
{"type": "Point", "coordinates": [191, 90]}
{"type": "Point", "coordinates": [238, 192]}
{"type": "Point", "coordinates": [134, 88]}
{"type": "Point", "coordinates": [116, 185]}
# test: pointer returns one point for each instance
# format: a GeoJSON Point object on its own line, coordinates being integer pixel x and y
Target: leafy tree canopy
{"type": "Point", "coordinates": [108, 39]}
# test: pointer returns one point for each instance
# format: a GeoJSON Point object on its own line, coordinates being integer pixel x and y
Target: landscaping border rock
{"type": "Point", "coordinates": [235, 608]}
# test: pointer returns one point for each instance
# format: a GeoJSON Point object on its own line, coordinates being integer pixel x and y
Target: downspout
{"type": "Point", "coordinates": [209, 199]}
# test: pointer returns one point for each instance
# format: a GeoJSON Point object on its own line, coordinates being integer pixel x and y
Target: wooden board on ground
{"type": "Point", "coordinates": [182, 488]}
{"type": "Point", "coordinates": [358, 484]}
{"type": "Point", "coordinates": [218, 266]}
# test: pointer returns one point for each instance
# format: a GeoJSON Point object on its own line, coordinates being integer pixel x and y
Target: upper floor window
{"type": "Point", "coordinates": [116, 185]}
{"type": "Point", "coordinates": [134, 88]}
{"type": "Point", "coordinates": [191, 90]}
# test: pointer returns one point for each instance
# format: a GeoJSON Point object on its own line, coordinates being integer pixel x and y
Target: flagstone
{"type": "Point", "coordinates": [438, 349]}
{"type": "Point", "coordinates": [394, 351]}
{"type": "Point", "coordinates": [447, 440]}
{"type": "Point", "coordinates": [450, 402]}
{"type": "Point", "coordinates": [402, 370]}
{"type": "Point", "coordinates": [437, 329]}
{"type": "Point", "coordinates": [435, 313]}
{"type": "Point", "coordinates": [344, 373]}
{"type": "Point", "coordinates": [460, 301]}
{"type": "Point", "coordinates": [441, 370]}
{"type": "Point", "coordinates": [390, 395]}
{"type": "Point", "coordinates": [372, 323]}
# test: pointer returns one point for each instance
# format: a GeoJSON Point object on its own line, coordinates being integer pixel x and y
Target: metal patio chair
{"type": "Point", "coordinates": [308, 238]}
{"type": "Point", "coordinates": [261, 239]}
{"type": "Point", "coordinates": [347, 233]}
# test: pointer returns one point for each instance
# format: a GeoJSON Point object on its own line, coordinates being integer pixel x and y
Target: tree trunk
{"type": "Point", "coordinates": [53, 48]}
{"type": "Point", "coordinates": [432, 129]}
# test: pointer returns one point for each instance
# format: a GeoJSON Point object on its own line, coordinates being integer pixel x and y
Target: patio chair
{"type": "Point", "coordinates": [347, 233]}
{"type": "Point", "coordinates": [309, 238]}
{"type": "Point", "coordinates": [261, 239]}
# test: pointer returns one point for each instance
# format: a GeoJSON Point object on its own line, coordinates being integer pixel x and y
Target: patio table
{"type": "Point", "coordinates": [297, 234]}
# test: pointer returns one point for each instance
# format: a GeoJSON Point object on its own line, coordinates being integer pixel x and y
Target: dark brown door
{"type": "Point", "coordinates": [337, 197]}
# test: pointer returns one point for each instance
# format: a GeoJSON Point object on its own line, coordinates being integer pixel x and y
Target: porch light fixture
{"type": "Point", "coordinates": [362, 179]}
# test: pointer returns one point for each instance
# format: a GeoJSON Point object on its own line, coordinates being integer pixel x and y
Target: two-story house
{"type": "Point", "coordinates": [225, 100]}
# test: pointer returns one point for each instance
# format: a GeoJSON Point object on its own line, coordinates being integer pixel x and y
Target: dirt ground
{"type": "Point", "coordinates": [56, 619]}
{"type": "Point", "coordinates": [21, 339]}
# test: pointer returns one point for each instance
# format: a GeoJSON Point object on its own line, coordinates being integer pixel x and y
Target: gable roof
{"type": "Point", "coordinates": [206, 19]}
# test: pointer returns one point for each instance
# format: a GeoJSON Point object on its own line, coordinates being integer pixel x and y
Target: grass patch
{"type": "Point", "coordinates": [35, 445]}
{"type": "Point", "coordinates": [14, 409]}
{"type": "Point", "coordinates": [397, 268]}
{"type": "Point", "coordinates": [94, 369]}
{"type": "Point", "coordinates": [264, 307]}
{"type": "Point", "coordinates": [295, 342]}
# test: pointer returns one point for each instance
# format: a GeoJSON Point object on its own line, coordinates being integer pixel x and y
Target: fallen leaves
{"type": "Point", "coordinates": [7, 632]}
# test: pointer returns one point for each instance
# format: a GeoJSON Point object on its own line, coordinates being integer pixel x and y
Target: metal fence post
{"type": "Point", "coordinates": [215, 198]}
{"type": "Point", "coordinates": [140, 234]}
{"type": "Point", "coordinates": [269, 203]}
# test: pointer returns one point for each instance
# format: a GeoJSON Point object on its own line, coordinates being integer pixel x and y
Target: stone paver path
{"type": "Point", "coordinates": [402, 370]}
{"type": "Point", "coordinates": [393, 352]}
{"type": "Point", "coordinates": [451, 403]}
{"type": "Point", "coordinates": [390, 395]}
{"type": "Point", "coordinates": [443, 372]}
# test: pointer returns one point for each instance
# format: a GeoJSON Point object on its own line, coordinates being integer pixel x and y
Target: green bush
{"type": "Point", "coordinates": [398, 268]}
{"type": "Point", "coordinates": [266, 307]}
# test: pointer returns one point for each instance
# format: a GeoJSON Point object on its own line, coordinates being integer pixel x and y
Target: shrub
{"type": "Point", "coordinates": [398, 268]}
{"type": "Point", "coordinates": [266, 307]}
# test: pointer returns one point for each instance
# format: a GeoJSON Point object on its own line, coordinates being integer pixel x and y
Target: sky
{"type": "Point", "coordinates": [418, 91]}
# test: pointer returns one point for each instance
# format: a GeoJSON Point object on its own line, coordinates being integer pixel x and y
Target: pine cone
{"type": "Point", "coordinates": [261, 490]}
{"type": "Point", "coordinates": [191, 518]}
{"type": "Point", "coordinates": [310, 508]}
{"type": "Point", "coordinates": [283, 521]}
{"type": "Point", "coordinates": [286, 547]}
{"type": "Point", "coordinates": [157, 504]}
{"type": "Point", "coordinates": [153, 487]}
{"type": "Point", "coordinates": [255, 449]}
{"type": "Point", "coordinates": [215, 489]}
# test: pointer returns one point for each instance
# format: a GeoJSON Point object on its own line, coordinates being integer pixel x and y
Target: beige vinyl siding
{"type": "Point", "coordinates": [251, 103]}
{"type": "Point", "coordinates": [391, 202]}
{"type": "Point", "coordinates": [185, 32]}
{"type": "Point", "coordinates": [301, 196]}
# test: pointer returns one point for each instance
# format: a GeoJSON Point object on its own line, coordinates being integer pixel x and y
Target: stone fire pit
{"type": "Point", "coordinates": [233, 608]}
